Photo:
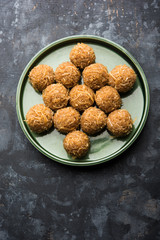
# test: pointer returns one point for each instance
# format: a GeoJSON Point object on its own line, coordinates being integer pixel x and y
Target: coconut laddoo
{"type": "Point", "coordinates": [95, 76]}
{"type": "Point", "coordinates": [82, 55]}
{"type": "Point", "coordinates": [122, 78]}
{"type": "Point", "coordinates": [76, 144]}
{"type": "Point", "coordinates": [67, 74]}
{"type": "Point", "coordinates": [93, 121]}
{"type": "Point", "coordinates": [39, 118]}
{"type": "Point", "coordinates": [81, 97]}
{"type": "Point", "coordinates": [55, 96]}
{"type": "Point", "coordinates": [66, 120]}
{"type": "Point", "coordinates": [41, 76]}
{"type": "Point", "coordinates": [108, 99]}
{"type": "Point", "coordinates": [119, 123]}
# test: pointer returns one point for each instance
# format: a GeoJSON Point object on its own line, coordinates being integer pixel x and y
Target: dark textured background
{"type": "Point", "coordinates": [41, 199]}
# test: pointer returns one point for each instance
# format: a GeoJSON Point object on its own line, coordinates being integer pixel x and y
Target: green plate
{"type": "Point", "coordinates": [103, 147]}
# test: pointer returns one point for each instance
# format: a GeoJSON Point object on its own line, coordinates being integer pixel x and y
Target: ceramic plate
{"type": "Point", "coordinates": [103, 147]}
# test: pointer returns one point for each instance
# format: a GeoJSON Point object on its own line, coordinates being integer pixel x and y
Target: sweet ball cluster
{"type": "Point", "coordinates": [81, 110]}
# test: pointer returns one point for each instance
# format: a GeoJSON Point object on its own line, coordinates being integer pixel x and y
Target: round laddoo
{"type": "Point", "coordinates": [108, 99]}
{"type": "Point", "coordinates": [93, 121]}
{"type": "Point", "coordinates": [39, 118]}
{"type": "Point", "coordinates": [66, 120]}
{"type": "Point", "coordinates": [119, 123]}
{"type": "Point", "coordinates": [67, 74]}
{"type": "Point", "coordinates": [95, 76]}
{"type": "Point", "coordinates": [76, 144]}
{"type": "Point", "coordinates": [122, 78]}
{"type": "Point", "coordinates": [55, 96]}
{"type": "Point", "coordinates": [81, 97]}
{"type": "Point", "coordinates": [41, 76]}
{"type": "Point", "coordinates": [82, 55]}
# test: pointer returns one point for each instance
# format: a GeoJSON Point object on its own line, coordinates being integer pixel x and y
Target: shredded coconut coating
{"type": "Point", "coordinates": [81, 97]}
{"type": "Point", "coordinates": [119, 123]}
{"type": "Point", "coordinates": [93, 121]}
{"type": "Point", "coordinates": [55, 96]}
{"type": "Point", "coordinates": [82, 55]}
{"type": "Point", "coordinates": [122, 78]}
{"type": "Point", "coordinates": [76, 144]}
{"type": "Point", "coordinates": [67, 74]}
{"type": "Point", "coordinates": [41, 76]}
{"type": "Point", "coordinates": [66, 120]}
{"type": "Point", "coordinates": [39, 118]}
{"type": "Point", "coordinates": [108, 99]}
{"type": "Point", "coordinates": [95, 76]}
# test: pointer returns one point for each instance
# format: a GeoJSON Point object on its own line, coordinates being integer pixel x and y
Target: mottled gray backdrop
{"type": "Point", "coordinates": [41, 199]}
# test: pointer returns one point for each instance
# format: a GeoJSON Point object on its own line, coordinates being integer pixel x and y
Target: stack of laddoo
{"type": "Point", "coordinates": [80, 110]}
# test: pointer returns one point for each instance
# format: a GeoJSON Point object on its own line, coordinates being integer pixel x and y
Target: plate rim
{"type": "Point", "coordinates": [119, 151]}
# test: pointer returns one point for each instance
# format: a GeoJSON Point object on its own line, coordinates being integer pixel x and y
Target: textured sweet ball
{"type": "Point", "coordinates": [95, 76]}
{"type": "Point", "coordinates": [108, 99]}
{"type": "Point", "coordinates": [66, 120]}
{"type": "Point", "coordinates": [55, 96]}
{"type": "Point", "coordinates": [122, 78]}
{"type": "Point", "coordinates": [76, 144]}
{"type": "Point", "coordinates": [39, 118]}
{"type": "Point", "coordinates": [41, 76]}
{"type": "Point", "coordinates": [93, 121]}
{"type": "Point", "coordinates": [82, 55]}
{"type": "Point", "coordinates": [67, 74]}
{"type": "Point", "coordinates": [119, 123]}
{"type": "Point", "coordinates": [81, 97]}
